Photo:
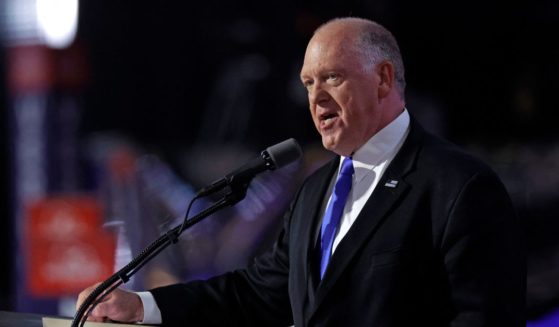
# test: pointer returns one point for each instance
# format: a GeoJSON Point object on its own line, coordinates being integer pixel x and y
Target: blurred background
{"type": "Point", "coordinates": [115, 112]}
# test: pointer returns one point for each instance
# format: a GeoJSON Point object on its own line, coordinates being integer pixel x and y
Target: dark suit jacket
{"type": "Point", "coordinates": [442, 248]}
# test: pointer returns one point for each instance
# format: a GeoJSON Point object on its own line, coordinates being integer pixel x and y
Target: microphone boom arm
{"type": "Point", "coordinates": [171, 237]}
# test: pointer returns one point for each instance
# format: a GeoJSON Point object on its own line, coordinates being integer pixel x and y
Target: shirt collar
{"type": "Point", "coordinates": [381, 147]}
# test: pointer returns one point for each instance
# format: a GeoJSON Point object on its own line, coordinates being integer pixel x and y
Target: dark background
{"type": "Point", "coordinates": [166, 74]}
{"type": "Point", "coordinates": [155, 66]}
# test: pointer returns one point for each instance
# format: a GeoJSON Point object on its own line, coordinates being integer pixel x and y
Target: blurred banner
{"type": "Point", "coordinates": [44, 91]}
{"type": "Point", "coordinates": [66, 248]}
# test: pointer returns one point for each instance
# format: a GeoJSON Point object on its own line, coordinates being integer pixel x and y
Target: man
{"type": "Point", "coordinates": [426, 234]}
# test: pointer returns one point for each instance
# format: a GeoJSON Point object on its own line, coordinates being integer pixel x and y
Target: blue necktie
{"type": "Point", "coordinates": [333, 213]}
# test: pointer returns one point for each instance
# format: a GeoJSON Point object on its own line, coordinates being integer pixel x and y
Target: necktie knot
{"type": "Point", "coordinates": [347, 167]}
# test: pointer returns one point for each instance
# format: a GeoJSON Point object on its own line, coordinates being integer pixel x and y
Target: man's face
{"type": "Point", "coordinates": [342, 92]}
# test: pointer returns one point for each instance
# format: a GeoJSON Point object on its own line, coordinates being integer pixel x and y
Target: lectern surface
{"type": "Point", "coordinates": [16, 319]}
{"type": "Point", "coordinates": [13, 319]}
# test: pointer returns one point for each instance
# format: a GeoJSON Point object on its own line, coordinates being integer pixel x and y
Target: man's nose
{"type": "Point", "coordinates": [317, 94]}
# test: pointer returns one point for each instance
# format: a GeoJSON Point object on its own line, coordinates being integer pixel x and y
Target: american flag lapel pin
{"type": "Point", "coordinates": [391, 183]}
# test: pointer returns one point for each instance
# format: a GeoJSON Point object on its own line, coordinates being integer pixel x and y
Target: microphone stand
{"type": "Point", "coordinates": [237, 193]}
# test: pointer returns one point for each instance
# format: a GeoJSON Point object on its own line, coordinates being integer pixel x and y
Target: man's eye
{"type": "Point", "coordinates": [333, 77]}
{"type": "Point", "coordinates": [307, 84]}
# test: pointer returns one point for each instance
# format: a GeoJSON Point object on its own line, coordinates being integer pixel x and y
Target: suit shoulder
{"type": "Point", "coordinates": [448, 158]}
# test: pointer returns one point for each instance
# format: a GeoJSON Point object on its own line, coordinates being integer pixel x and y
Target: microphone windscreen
{"type": "Point", "coordinates": [285, 152]}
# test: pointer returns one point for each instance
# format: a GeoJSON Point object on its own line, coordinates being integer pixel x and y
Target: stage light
{"type": "Point", "coordinates": [58, 21]}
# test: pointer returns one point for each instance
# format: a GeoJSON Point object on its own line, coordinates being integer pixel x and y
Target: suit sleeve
{"type": "Point", "coordinates": [256, 296]}
{"type": "Point", "coordinates": [484, 256]}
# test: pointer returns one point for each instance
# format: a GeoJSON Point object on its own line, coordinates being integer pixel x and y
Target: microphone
{"type": "Point", "coordinates": [275, 156]}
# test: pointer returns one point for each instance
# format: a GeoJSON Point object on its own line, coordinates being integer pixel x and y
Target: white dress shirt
{"type": "Point", "coordinates": [369, 163]}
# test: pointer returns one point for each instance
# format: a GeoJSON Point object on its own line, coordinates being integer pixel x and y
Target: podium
{"type": "Point", "coordinates": [11, 319]}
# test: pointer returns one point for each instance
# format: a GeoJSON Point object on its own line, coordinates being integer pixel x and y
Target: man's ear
{"type": "Point", "coordinates": [385, 71]}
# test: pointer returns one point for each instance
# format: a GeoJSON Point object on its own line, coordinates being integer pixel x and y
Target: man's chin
{"type": "Point", "coordinates": [330, 143]}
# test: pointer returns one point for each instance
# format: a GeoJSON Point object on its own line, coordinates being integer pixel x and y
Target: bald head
{"type": "Point", "coordinates": [349, 72]}
{"type": "Point", "coordinates": [369, 42]}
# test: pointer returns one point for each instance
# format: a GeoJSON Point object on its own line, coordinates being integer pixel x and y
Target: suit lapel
{"type": "Point", "coordinates": [312, 200]}
{"type": "Point", "coordinates": [382, 200]}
